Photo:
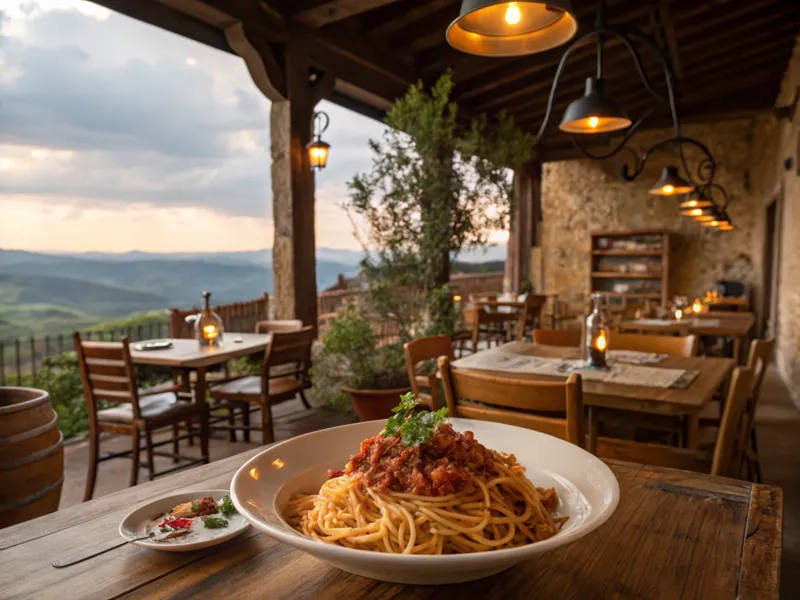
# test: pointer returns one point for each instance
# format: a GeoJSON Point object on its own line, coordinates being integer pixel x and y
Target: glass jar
{"type": "Point", "coordinates": [208, 328]}
{"type": "Point", "coordinates": [596, 342]}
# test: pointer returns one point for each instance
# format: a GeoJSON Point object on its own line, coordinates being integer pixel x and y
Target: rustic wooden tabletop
{"type": "Point", "coordinates": [674, 535]}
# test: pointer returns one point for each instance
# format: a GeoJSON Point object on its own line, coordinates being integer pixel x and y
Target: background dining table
{"type": "Point", "coordinates": [686, 402]}
{"type": "Point", "coordinates": [711, 324]}
{"type": "Point", "coordinates": [675, 534]}
{"type": "Point", "coordinates": [188, 355]}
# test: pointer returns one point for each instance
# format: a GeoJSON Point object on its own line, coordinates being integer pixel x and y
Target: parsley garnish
{"type": "Point", "coordinates": [195, 506]}
{"type": "Point", "coordinates": [226, 506]}
{"type": "Point", "coordinates": [414, 427]}
{"type": "Point", "coordinates": [215, 522]}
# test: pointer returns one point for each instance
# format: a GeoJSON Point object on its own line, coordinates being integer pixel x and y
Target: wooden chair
{"type": "Point", "coordinates": [531, 316]}
{"type": "Point", "coordinates": [108, 376]}
{"type": "Point", "coordinates": [281, 326]}
{"type": "Point", "coordinates": [571, 338]}
{"type": "Point", "coordinates": [656, 344]}
{"type": "Point", "coordinates": [727, 460]}
{"type": "Point", "coordinates": [284, 376]}
{"type": "Point", "coordinates": [552, 408]}
{"type": "Point", "coordinates": [488, 326]}
{"type": "Point", "coordinates": [422, 350]}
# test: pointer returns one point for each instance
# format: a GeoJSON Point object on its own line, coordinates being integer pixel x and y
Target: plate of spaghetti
{"type": "Point", "coordinates": [424, 499]}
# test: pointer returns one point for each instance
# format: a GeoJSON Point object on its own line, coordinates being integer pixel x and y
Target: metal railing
{"type": "Point", "coordinates": [24, 356]}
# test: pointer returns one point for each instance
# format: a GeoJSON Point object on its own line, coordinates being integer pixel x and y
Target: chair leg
{"type": "Point", "coordinates": [246, 422]}
{"type": "Point", "coordinates": [303, 398]}
{"type": "Point", "coordinates": [232, 422]}
{"type": "Point", "coordinates": [756, 462]}
{"type": "Point", "coordinates": [267, 432]}
{"type": "Point", "coordinates": [91, 476]}
{"type": "Point", "coordinates": [189, 430]}
{"type": "Point", "coordinates": [204, 437]}
{"type": "Point", "coordinates": [134, 458]}
{"type": "Point", "coordinates": [176, 431]}
{"type": "Point", "coordinates": [151, 465]}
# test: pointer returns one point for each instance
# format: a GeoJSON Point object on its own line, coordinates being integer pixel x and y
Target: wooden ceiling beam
{"type": "Point", "coordinates": [319, 13]}
{"type": "Point", "coordinates": [388, 23]}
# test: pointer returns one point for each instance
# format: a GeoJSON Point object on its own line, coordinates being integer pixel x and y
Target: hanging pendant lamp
{"type": "Point", "coordinates": [696, 199]}
{"type": "Point", "coordinates": [498, 28]}
{"type": "Point", "coordinates": [594, 113]}
{"type": "Point", "coordinates": [671, 184]}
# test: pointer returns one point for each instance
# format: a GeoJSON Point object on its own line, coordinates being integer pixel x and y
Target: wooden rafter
{"type": "Point", "coordinates": [318, 13]}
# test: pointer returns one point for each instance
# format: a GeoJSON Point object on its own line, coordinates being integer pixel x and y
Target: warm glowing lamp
{"type": "Point", "coordinates": [597, 333]}
{"type": "Point", "coordinates": [318, 150]}
{"type": "Point", "coordinates": [671, 184]}
{"type": "Point", "coordinates": [678, 314]}
{"type": "Point", "coordinates": [594, 112]}
{"type": "Point", "coordinates": [501, 28]}
{"type": "Point", "coordinates": [697, 306]}
{"type": "Point", "coordinates": [208, 328]}
{"type": "Point", "coordinates": [696, 199]}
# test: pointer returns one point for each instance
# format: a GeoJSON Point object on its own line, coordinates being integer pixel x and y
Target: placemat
{"type": "Point", "coordinates": [497, 359]}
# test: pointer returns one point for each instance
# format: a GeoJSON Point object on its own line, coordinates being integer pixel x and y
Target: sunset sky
{"type": "Point", "coordinates": [115, 135]}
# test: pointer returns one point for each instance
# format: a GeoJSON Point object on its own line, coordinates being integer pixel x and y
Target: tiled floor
{"type": "Point", "coordinates": [778, 429]}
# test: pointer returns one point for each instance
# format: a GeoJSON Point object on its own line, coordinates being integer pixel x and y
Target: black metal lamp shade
{"type": "Point", "coordinates": [696, 199]}
{"type": "Point", "coordinates": [671, 184]}
{"type": "Point", "coordinates": [501, 28]}
{"type": "Point", "coordinates": [594, 112]}
{"type": "Point", "coordinates": [704, 215]}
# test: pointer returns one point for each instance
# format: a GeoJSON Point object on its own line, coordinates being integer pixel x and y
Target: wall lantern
{"type": "Point", "coordinates": [499, 28]}
{"type": "Point", "coordinates": [318, 150]}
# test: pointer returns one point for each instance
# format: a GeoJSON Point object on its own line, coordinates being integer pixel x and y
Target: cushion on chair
{"type": "Point", "coordinates": [149, 407]}
{"type": "Point", "coordinates": [249, 388]}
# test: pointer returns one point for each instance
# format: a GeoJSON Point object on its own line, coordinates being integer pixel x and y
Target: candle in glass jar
{"type": "Point", "coordinates": [678, 314]}
{"type": "Point", "coordinates": [597, 351]}
{"type": "Point", "coordinates": [210, 332]}
{"type": "Point", "coordinates": [697, 306]}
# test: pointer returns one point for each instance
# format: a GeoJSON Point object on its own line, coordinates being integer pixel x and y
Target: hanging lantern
{"type": "Point", "coordinates": [671, 184]}
{"type": "Point", "coordinates": [317, 149]}
{"type": "Point", "coordinates": [594, 113]}
{"type": "Point", "coordinates": [499, 28]}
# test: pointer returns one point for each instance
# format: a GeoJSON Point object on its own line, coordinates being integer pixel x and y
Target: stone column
{"type": "Point", "coordinates": [527, 192]}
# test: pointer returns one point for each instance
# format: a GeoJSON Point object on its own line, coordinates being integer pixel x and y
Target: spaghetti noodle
{"type": "Point", "coordinates": [446, 496]}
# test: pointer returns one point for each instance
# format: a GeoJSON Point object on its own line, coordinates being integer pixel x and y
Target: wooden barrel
{"type": "Point", "coordinates": [31, 455]}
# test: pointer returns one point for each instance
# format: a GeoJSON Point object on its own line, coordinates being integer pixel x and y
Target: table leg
{"type": "Point", "coordinates": [737, 349]}
{"type": "Point", "coordinates": [692, 432]}
{"type": "Point", "coordinates": [200, 398]}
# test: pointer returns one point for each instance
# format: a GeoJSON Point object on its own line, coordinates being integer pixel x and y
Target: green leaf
{"type": "Point", "coordinates": [414, 427]}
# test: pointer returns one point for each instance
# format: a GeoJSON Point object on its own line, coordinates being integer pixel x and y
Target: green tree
{"type": "Point", "coordinates": [438, 186]}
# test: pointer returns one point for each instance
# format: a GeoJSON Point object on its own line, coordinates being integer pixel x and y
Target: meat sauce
{"type": "Point", "coordinates": [444, 465]}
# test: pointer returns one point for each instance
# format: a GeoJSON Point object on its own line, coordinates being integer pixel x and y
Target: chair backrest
{"type": "Point", "coordinates": [281, 326]}
{"type": "Point", "coordinates": [290, 350]}
{"type": "Point", "coordinates": [107, 373]}
{"type": "Point", "coordinates": [733, 429]}
{"type": "Point", "coordinates": [558, 337]}
{"type": "Point", "coordinates": [530, 314]}
{"type": "Point", "coordinates": [521, 402]}
{"type": "Point", "coordinates": [657, 344]}
{"type": "Point", "coordinates": [758, 360]}
{"type": "Point", "coordinates": [238, 316]}
{"type": "Point", "coordinates": [424, 349]}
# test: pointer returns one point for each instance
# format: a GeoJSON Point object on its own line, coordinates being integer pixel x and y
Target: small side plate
{"type": "Point", "coordinates": [145, 519]}
{"type": "Point", "coordinates": [152, 345]}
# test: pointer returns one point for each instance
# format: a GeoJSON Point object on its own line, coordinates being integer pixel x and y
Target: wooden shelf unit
{"type": "Point", "coordinates": [650, 246]}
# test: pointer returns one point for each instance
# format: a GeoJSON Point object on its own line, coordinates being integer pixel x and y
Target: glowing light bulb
{"type": "Point", "coordinates": [594, 122]}
{"type": "Point", "coordinates": [668, 189]}
{"type": "Point", "coordinates": [513, 14]}
{"type": "Point", "coordinates": [678, 314]}
{"type": "Point", "coordinates": [692, 202]}
{"type": "Point", "coordinates": [697, 212]}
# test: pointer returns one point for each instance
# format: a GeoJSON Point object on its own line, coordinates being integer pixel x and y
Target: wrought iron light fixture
{"type": "Point", "coordinates": [501, 28]}
{"type": "Point", "coordinates": [712, 214]}
{"type": "Point", "coordinates": [697, 199]}
{"type": "Point", "coordinates": [318, 150]}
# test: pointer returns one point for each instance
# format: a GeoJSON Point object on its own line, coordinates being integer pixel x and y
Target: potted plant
{"type": "Point", "coordinates": [353, 369]}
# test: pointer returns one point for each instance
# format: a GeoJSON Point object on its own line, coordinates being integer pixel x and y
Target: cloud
{"type": "Point", "coordinates": [100, 112]}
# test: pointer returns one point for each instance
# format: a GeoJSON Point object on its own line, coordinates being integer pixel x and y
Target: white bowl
{"type": "Point", "coordinates": [587, 489]}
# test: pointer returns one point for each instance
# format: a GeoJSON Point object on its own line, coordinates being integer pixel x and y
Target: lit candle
{"type": "Point", "coordinates": [210, 332]}
{"type": "Point", "coordinates": [597, 352]}
{"type": "Point", "coordinates": [678, 314]}
{"type": "Point", "coordinates": [697, 306]}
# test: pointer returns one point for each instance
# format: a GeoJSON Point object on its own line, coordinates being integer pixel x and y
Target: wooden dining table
{"type": "Point", "coordinates": [188, 355]}
{"type": "Point", "coordinates": [686, 402]}
{"type": "Point", "coordinates": [714, 324]}
{"type": "Point", "coordinates": [674, 535]}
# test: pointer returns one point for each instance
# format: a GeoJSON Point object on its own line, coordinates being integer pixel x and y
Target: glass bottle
{"type": "Point", "coordinates": [208, 327]}
{"type": "Point", "coordinates": [596, 342]}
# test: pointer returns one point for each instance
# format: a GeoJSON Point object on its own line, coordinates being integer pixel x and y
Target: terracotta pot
{"type": "Point", "coordinates": [371, 405]}
{"type": "Point", "coordinates": [31, 455]}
